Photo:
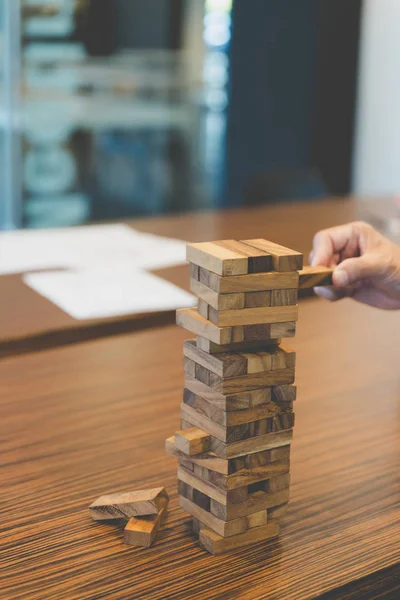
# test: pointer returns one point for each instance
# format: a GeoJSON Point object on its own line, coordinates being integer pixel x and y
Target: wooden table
{"type": "Point", "coordinates": [30, 322]}
{"type": "Point", "coordinates": [83, 420]}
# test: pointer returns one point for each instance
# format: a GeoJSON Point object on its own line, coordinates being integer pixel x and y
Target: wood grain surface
{"type": "Point", "coordinates": [29, 322]}
{"type": "Point", "coordinates": [85, 420]}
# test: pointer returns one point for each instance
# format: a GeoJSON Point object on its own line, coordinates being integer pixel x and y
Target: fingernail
{"type": "Point", "coordinates": [340, 277]}
{"type": "Point", "coordinates": [325, 292]}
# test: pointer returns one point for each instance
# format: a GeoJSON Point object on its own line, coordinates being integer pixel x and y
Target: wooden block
{"type": "Point", "coordinates": [224, 364]}
{"type": "Point", "coordinates": [252, 462]}
{"type": "Point", "coordinates": [246, 466]}
{"type": "Point", "coordinates": [209, 490]}
{"type": "Point", "coordinates": [283, 358]}
{"type": "Point", "coordinates": [250, 445]}
{"type": "Point", "coordinates": [225, 529]}
{"type": "Point", "coordinates": [284, 297]}
{"type": "Point", "coordinates": [255, 502]}
{"type": "Point", "coordinates": [253, 300]}
{"type": "Point", "coordinates": [283, 259]}
{"type": "Point", "coordinates": [192, 441]}
{"type": "Point", "coordinates": [229, 402]}
{"type": "Point", "coordinates": [230, 419]}
{"type": "Point", "coordinates": [216, 258]}
{"type": "Point", "coordinates": [243, 383]}
{"type": "Point", "coordinates": [185, 490]}
{"type": "Point", "coordinates": [282, 421]}
{"type": "Point", "coordinates": [311, 277]}
{"type": "Point", "coordinates": [189, 367]}
{"type": "Point", "coordinates": [225, 434]}
{"type": "Point", "coordinates": [216, 544]}
{"type": "Point", "coordinates": [141, 531]}
{"type": "Point", "coordinates": [281, 330]}
{"type": "Point", "coordinates": [255, 282]}
{"type": "Point", "coordinates": [190, 319]}
{"type": "Point", "coordinates": [128, 504]}
{"type": "Point", "coordinates": [243, 477]}
{"type": "Point", "coordinates": [257, 346]}
{"type": "Point", "coordinates": [194, 271]}
{"type": "Point", "coordinates": [218, 301]}
{"type": "Point", "coordinates": [203, 309]}
{"type": "Point", "coordinates": [277, 512]}
{"type": "Point", "coordinates": [235, 363]}
{"type": "Point", "coordinates": [259, 261]}
{"type": "Point", "coordinates": [278, 483]}
{"type": "Point", "coordinates": [197, 526]}
{"type": "Point", "coordinates": [284, 393]}
{"type": "Point", "coordinates": [257, 519]}
{"type": "Point", "coordinates": [253, 316]}
{"type": "Point", "coordinates": [208, 459]}
{"type": "Point", "coordinates": [257, 362]}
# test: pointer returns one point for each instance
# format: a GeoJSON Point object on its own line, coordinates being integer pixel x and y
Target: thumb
{"type": "Point", "coordinates": [352, 270]}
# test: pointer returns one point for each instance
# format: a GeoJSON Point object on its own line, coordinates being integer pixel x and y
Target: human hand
{"type": "Point", "coordinates": [366, 265]}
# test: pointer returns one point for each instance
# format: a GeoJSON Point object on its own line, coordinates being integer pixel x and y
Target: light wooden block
{"type": "Point", "coordinates": [257, 519]}
{"type": "Point", "coordinates": [229, 402]}
{"type": "Point", "coordinates": [230, 419]}
{"type": "Point", "coordinates": [283, 259]}
{"type": "Point", "coordinates": [223, 528]}
{"type": "Point", "coordinates": [128, 504]}
{"type": "Point", "coordinates": [255, 503]}
{"type": "Point", "coordinates": [315, 276]}
{"type": "Point", "coordinates": [217, 301]}
{"type": "Point", "coordinates": [243, 383]}
{"type": "Point", "coordinates": [216, 258]}
{"type": "Point", "coordinates": [253, 300]}
{"type": "Point", "coordinates": [207, 460]}
{"type": "Point", "coordinates": [278, 483]}
{"type": "Point", "coordinates": [255, 282]}
{"type": "Point", "coordinates": [257, 346]}
{"type": "Point", "coordinates": [259, 261]}
{"type": "Point", "coordinates": [216, 544]}
{"type": "Point", "coordinates": [250, 445]}
{"type": "Point", "coordinates": [141, 531]}
{"type": "Point", "coordinates": [284, 297]}
{"type": "Point", "coordinates": [277, 512]}
{"type": "Point", "coordinates": [192, 441]}
{"type": "Point", "coordinates": [253, 316]}
{"type": "Point", "coordinates": [203, 309]}
{"type": "Point", "coordinates": [224, 364]}
{"type": "Point", "coordinates": [194, 271]}
{"type": "Point", "coordinates": [245, 477]}
{"type": "Point", "coordinates": [190, 319]}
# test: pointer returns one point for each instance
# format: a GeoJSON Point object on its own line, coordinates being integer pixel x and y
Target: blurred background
{"type": "Point", "coordinates": [122, 108]}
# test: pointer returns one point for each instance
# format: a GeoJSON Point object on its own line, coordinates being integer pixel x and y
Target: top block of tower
{"type": "Point", "coordinates": [229, 257]}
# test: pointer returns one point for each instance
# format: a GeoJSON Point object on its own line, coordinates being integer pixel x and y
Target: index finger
{"type": "Point", "coordinates": [329, 242]}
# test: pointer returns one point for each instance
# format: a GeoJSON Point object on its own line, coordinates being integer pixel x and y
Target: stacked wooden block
{"type": "Point", "coordinates": [237, 414]}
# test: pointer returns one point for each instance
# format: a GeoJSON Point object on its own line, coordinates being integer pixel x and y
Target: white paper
{"type": "Point", "coordinates": [108, 292]}
{"type": "Point", "coordinates": [77, 247]}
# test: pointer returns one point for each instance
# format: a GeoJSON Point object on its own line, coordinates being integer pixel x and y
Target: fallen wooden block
{"type": "Point", "coordinates": [128, 504]}
{"type": "Point", "coordinates": [141, 531]}
{"type": "Point", "coordinates": [216, 544]}
{"type": "Point", "coordinates": [315, 276]}
{"type": "Point", "coordinates": [255, 282]}
{"type": "Point", "coordinates": [192, 441]}
{"type": "Point", "coordinates": [283, 259]}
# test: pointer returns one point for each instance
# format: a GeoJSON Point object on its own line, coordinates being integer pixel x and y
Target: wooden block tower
{"type": "Point", "coordinates": [237, 413]}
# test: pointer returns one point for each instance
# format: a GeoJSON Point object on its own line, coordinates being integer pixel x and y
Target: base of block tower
{"type": "Point", "coordinates": [216, 544]}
